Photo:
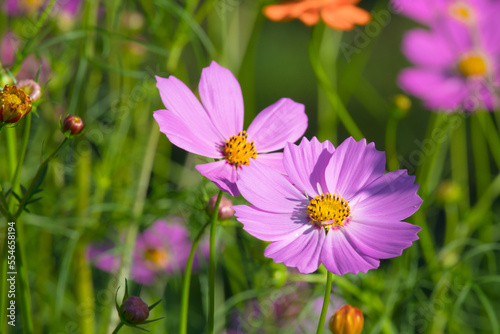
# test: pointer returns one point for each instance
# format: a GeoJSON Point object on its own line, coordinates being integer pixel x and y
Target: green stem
{"type": "Point", "coordinates": [482, 171]}
{"type": "Point", "coordinates": [187, 280]}
{"type": "Point", "coordinates": [390, 143]}
{"type": "Point", "coordinates": [138, 208]}
{"type": "Point", "coordinates": [35, 179]}
{"type": "Point", "coordinates": [120, 325]}
{"type": "Point", "coordinates": [38, 26]}
{"type": "Point", "coordinates": [326, 301]}
{"type": "Point", "coordinates": [3, 263]}
{"type": "Point", "coordinates": [24, 286]}
{"type": "Point", "coordinates": [24, 147]}
{"type": "Point", "coordinates": [10, 134]}
{"type": "Point", "coordinates": [452, 219]}
{"type": "Point", "coordinates": [211, 266]}
{"type": "Point", "coordinates": [326, 85]}
{"type": "Point", "coordinates": [491, 133]}
{"type": "Point", "coordinates": [458, 154]}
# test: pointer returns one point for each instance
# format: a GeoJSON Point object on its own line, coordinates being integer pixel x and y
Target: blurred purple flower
{"type": "Point", "coordinates": [215, 130]}
{"type": "Point", "coordinates": [456, 62]}
{"type": "Point", "coordinates": [21, 7]}
{"type": "Point", "coordinates": [30, 66]}
{"type": "Point", "coordinates": [336, 207]}
{"type": "Point", "coordinates": [163, 248]}
{"type": "Point", "coordinates": [284, 311]}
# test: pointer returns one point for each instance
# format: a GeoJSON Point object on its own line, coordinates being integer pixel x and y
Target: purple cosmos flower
{"type": "Point", "coordinates": [215, 130]}
{"type": "Point", "coordinates": [21, 7]}
{"type": "Point", "coordinates": [434, 12]}
{"type": "Point", "coordinates": [163, 248]}
{"type": "Point", "coordinates": [288, 310]}
{"type": "Point", "coordinates": [456, 63]}
{"type": "Point", "coordinates": [336, 207]}
{"type": "Point", "coordinates": [30, 65]}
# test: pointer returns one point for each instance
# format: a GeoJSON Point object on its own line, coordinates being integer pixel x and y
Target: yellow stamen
{"type": "Point", "coordinates": [328, 208]}
{"type": "Point", "coordinates": [461, 12]}
{"type": "Point", "coordinates": [473, 65]}
{"type": "Point", "coordinates": [158, 257]}
{"type": "Point", "coordinates": [238, 150]}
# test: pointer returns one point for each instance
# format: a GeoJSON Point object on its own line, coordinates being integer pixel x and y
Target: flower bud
{"type": "Point", "coordinates": [72, 125]}
{"type": "Point", "coordinates": [14, 104]}
{"type": "Point", "coordinates": [402, 105]}
{"type": "Point", "coordinates": [347, 320]}
{"type": "Point", "coordinates": [225, 210]}
{"type": "Point", "coordinates": [31, 88]}
{"type": "Point", "coordinates": [448, 192]}
{"type": "Point", "coordinates": [134, 311]}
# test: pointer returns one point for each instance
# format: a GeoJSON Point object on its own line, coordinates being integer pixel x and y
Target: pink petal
{"type": "Point", "coordinates": [273, 160]}
{"type": "Point", "coordinates": [419, 10]}
{"type": "Point", "coordinates": [179, 100]}
{"type": "Point", "coordinates": [221, 173]}
{"type": "Point", "coordinates": [429, 49]}
{"type": "Point", "coordinates": [381, 240]}
{"type": "Point", "coordinates": [182, 135]}
{"type": "Point", "coordinates": [352, 166]}
{"type": "Point", "coordinates": [340, 257]}
{"type": "Point", "coordinates": [141, 273]}
{"type": "Point", "coordinates": [302, 251]}
{"type": "Point", "coordinates": [269, 190]}
{"type": "Point", "coordinates": [221, 95]}
{"type": "Point", "coordinates": [439, 91]}
{"type": "Point", "coordinates": [391, 197]}
{"type": "Point", "coordinates": [305, 164]}
{"type": "Point", "coordinates": [270, 226]}
{"type": "Point", "coordinates": [282, 122]}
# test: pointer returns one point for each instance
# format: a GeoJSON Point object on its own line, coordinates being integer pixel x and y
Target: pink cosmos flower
{"type": "Point", "coordinates": [456, 62]}
{"type": "Point", "coordinates": [215, 130]}
{"type": "Point", "coordinates": [336, 207]}
{"type": "Point", "coordinates": [161, 249]}
{"type": "Point", "coordinates": [30, 66]}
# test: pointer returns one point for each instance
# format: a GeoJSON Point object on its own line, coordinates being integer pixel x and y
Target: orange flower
{"type": "Point", "coordinates": [338, 14]}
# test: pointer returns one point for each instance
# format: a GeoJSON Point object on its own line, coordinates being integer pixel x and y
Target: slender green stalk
{"type": "Point", "coordinates": [24, 286]}
{"type": "Point", "coordinates": [34, 32]}
{"type": "Point", "coordinates": [24, 147]}
{"type": "Point", "coordinates": [390, 143]}
{"type": "Point", "coordinates": [140, 199]}
{"type": "Point", "coordinates": [35, 179]}
{"type": "Point", "coordinates": [458, 154]}
{"type": "Point", "coordinates": [491, 133]}
{"type": "Point", "coordinates": [452, 221]}
{"type": "Point", "coordinates": [326, 85]}
{"type": "Point", "coordinates": [3, 262]}
{"type": "Point", "coordinates": [482, 172]}
{"type": "Point", "coordinates": [120, 325]}
{"type": "Point", "coordinates": [211, 266]}
{"type": "Point", "coordinates": [11, 141]}
{"type": "Point", "coordinates": [326, 301]}
{"type": "Point", "coordinates": [187, 282]}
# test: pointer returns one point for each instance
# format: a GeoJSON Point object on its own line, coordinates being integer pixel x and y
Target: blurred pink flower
{"type": "Point", "coordinates": [31, 64]}
{"type": "Point", "coordinates": [457, 60]}
{"type": "Point", "coordinates": [163, 248]}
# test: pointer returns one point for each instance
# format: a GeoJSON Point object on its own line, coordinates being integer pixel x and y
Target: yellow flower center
{"type": "Point", "coordinates": [238, 150]}
{"type": "Point", "coordinates": [14, 104]}
{"type": "Point", "coordinates": [329, 208]}
{"type": "Point", "coordinates": [473, 65]}
{"type": "Point", "coordinates": [461, 12]}
{"type": "Point", "coordinates": [13, 100]}
{"type": "Point", "coordinates": [158, 257]}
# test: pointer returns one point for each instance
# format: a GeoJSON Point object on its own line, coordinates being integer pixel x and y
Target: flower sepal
{"type": "Point", "coordinates": [133, 311]}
